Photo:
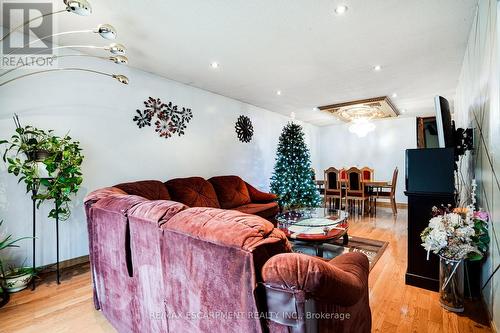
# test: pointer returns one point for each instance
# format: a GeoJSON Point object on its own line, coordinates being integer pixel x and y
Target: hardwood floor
{"type": "Point", "coordinates": [395, 306]}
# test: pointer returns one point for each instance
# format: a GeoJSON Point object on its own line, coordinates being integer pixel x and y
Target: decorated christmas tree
{"type": "Point", "coordinates": [291, 180]}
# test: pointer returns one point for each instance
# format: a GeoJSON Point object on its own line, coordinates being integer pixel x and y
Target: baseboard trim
{"type": "Point", "coordinates": [388, 204]}
{"type": "Point", "coordinates": [65, 264]}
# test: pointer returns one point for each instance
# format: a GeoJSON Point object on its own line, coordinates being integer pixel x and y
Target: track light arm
{"type": "Point", "coordinates": [121, 78]}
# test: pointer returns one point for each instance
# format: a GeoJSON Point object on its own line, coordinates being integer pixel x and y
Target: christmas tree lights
{"type": "Point", "coordinates": [292, 181]}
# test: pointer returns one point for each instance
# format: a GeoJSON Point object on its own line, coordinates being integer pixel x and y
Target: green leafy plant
{"type": "Point", "coordinates": [6, 242]}
{"type": "Point", "coordinates": [14, 270]}
{"type": "Point", "coordinates": [62, 158]}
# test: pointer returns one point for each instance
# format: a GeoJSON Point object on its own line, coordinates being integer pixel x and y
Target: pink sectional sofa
{"type": "Point", "coordinates": [161, 266]}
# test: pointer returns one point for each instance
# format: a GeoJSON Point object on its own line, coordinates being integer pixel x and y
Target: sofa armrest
{"type": "Point", "coordinates": [259, 196]}
{"type": "Point", "coordinates": [342, 281]}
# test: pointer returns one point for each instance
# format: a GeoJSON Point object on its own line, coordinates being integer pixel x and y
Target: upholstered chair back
{"type": "Point", "coordinates": [354, 179]}
{"type": "Point", "coordinates": [332, 179]}
{"type": "Point", "coordinates": [343, 174]}
{"type": "Point", "coordinates": [367, 173]}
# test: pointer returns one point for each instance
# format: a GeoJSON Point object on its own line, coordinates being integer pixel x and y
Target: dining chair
{"type": "Point", "coordinates": [343, 175]}
{"type": "Point", "coordinates": [391, 195]}
{"type": "Point", "coordinates": [355, 190]}
{"type": "Point", "coordinates": [367, 173]}
{"type": "Point", "coordinates": [367, 176]}
{"type": "Point", "coordinates": [333, 190]}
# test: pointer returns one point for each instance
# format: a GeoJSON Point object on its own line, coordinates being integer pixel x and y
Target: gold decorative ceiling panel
{"type": "Point", "coordinates": [371, 108]}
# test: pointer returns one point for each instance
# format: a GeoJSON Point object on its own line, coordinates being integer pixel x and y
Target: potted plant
{"type": "Point", "coordinates": [12, 279]}
{"type": "Point", "coordinates": [32, 141]}
{"type": "Point", "coordinates": [16, 278]}
{"type": "Point", "coordinates": [30, 150]}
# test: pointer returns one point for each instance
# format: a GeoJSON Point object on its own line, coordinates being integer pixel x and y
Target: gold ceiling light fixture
{"type": "Point", "coordinates": [360, 113]}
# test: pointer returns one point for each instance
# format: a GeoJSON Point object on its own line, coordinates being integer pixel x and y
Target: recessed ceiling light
{"type": "Point", "coordinates": [377, 68]}
{"type": "Point", "coordinates": [278, 92]}
{"type": "Point", "coordinates": [403, 110]}
{"type": "Point", "coordinates": [394, 95]}
{"type": "Point", "coordinates": [214, 65]}
{"type": "Point", "coordinates": [292, 115]}
{"type": "Point", "coordinates": [341, 9]}
{"type": "Point", "coordinates": [316, 109]}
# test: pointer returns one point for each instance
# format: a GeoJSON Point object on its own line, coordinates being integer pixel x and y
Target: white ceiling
{"type": "Point", "coordinates": [300, 47]}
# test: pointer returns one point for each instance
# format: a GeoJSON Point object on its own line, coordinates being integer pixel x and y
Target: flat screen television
{"type": "Point", "coordinates": [444, 123]}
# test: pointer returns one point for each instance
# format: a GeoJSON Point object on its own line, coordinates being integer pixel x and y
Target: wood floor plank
{"type": "Point", "coordinates": [395, 306]}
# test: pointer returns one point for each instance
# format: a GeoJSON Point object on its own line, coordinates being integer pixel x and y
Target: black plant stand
{"type": "Point", "coordinates": [57, 246]}
{"type": "Point", "coordinates": [33, 197]}
{"type": "Point", "coordinates": [4, 297]}
{"type": "Point", "coordinates": [58, 273]}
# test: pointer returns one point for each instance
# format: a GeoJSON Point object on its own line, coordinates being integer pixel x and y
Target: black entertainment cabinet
{"type": "Point", "coordinates": [429, 182]}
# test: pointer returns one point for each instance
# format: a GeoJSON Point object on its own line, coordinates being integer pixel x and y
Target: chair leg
{"type": "Point", "coordinates": [394, 207]}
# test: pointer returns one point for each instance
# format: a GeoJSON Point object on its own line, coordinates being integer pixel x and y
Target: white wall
{"type": "Point", "coordinates": [382, 150]}
{"type": "Point", "coordinates": [98, 112]}
{"type": "Point", "coordinates": [477, 106]}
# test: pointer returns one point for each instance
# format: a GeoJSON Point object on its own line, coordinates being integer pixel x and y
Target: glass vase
{"type": "Point", "coordinates": [451, 284]}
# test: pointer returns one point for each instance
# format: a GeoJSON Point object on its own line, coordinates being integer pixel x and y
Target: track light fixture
{"type": "Point", "coordinates": [79, 7]}
{"type": "Point", "coordinates": [106, 31]}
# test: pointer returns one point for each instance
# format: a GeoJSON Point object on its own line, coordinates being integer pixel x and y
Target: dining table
{"type": "Point", "coordinates": [373, 187]}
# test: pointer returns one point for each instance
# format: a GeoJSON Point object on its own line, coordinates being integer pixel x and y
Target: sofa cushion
{"type": "Point", "coordinates": [265, 210]}
{"type": "Point", "coordinates": [231, 191]}
{"type": "Point", "coordinates": [157, 211]}
{"type": "Point", "coordinates": [103, 193]}
{"type": "Point", "coordinates": [149, 189]}
{"type": "Point", "coordinates": [224, 227]}
{"type": "Point", "coordinates": [119, 203]}
{"type": "Point", "coordinates": [193, 192]}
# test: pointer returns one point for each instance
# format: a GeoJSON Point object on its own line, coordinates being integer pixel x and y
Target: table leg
{"type": "Point", "coordinates": [319, 251]}
{"type": "Point", "coordinates": [345, 239]}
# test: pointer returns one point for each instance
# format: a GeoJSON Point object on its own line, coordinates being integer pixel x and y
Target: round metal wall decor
{"type": "Point", "coordinates": [244, 129]}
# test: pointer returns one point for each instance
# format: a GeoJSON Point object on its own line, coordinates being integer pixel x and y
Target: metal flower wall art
{"type": "Point", "coordinates": [244, 129]}
{"type": "Point", "coordinates": [167, 119]}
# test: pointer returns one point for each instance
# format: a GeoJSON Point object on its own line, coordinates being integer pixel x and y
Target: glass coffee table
{"type": "Point", "coordinates": [314, 226]}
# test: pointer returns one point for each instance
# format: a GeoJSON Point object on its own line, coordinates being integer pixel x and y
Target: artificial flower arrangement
{"type": "Point", "coordinates": [458, 234]}
{"type": "Point", "coordinates": [455, 235]}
